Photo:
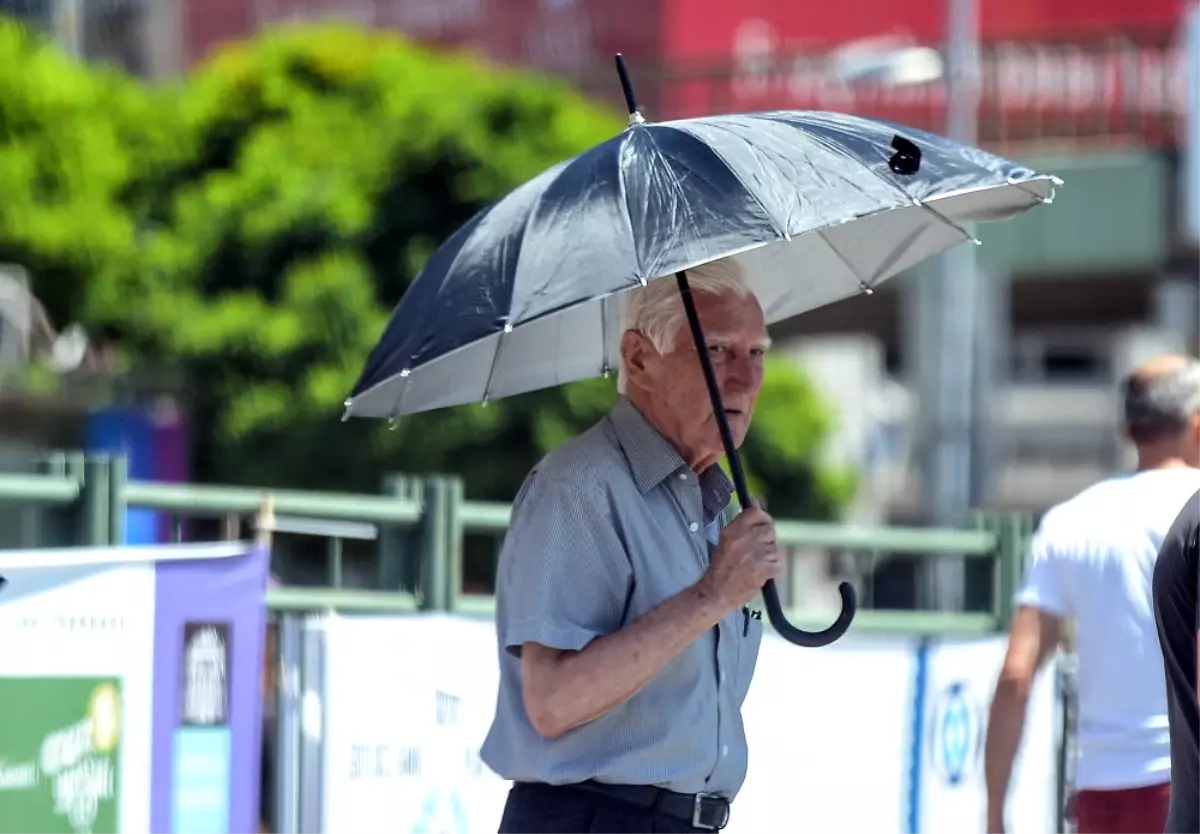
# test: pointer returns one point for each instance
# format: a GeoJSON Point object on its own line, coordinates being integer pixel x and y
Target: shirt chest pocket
{"type": "Point", "coordinates": [747, 658]}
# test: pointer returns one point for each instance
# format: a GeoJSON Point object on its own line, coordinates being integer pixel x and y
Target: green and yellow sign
{"type": "Point", "coordinates": [60, 742]}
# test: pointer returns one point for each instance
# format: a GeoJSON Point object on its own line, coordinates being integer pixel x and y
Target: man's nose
{"type": "Point", "coordinates": [742, 375]}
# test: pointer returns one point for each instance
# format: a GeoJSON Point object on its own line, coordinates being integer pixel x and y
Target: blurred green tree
{"type": "Point", "coordinates": [67, 154]}
{"type": "Point", "coordinates": [255, 224]}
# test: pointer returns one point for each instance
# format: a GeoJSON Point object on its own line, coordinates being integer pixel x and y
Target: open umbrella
{"type": "Point", "coordinates": [815, 206]}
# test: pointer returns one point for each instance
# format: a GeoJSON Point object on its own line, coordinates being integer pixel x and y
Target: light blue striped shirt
{"type": "Point", "coordinates": [605, 528]}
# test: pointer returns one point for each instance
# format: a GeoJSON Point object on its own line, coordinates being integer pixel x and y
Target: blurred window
{"type": "Point", "coordinates": [1068, 354]}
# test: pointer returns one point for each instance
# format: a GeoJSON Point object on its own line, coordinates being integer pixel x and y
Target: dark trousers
{"type": "Point", "coordinates": [550, 809]}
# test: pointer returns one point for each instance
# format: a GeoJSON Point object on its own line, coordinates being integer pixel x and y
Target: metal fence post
{"type": "Point", "coordinates": [398, 570]}
{"type": "Point", "coordinates": [118, 476]}
{"type": "Point", "coordinates": [314, 705]}
{"type": "Point", "coordinates": [59, 526]}
{"type": "Point", "coordinates": [94, 502]}
{"type": "Point", "coordinates": [452, 519]}
{"type": "Point", "coordinates": [1013, 532]}
{"type": "Point", "coordinates": [48, 522]}
{"type": "Point", "coordinates": [288, 731]}
{"type": "Point", "coordinates": [436, 547]}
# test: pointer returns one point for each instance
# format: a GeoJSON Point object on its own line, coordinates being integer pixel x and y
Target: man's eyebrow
{"type": "Point", "coordinates": [718, 337]}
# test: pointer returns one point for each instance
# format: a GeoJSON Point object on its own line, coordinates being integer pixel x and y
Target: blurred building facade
{"type": "Point", "coordinates": [1095, 91]}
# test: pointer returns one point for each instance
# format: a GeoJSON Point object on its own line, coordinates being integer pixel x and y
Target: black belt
{"type": "Point", "coordinates": [709, 811]}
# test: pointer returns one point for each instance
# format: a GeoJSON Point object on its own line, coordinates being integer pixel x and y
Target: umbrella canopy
{"type": "Point", "coordinates": [815, 206]}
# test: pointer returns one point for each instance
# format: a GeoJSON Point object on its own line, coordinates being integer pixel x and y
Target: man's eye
{"type": "Point", "coordinates": [757, 352]}
{"type": "Point", "coordinates": [717, 349]}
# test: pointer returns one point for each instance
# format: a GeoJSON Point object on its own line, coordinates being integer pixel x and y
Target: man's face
{"type": "Point", "coordinates": [675, 395]}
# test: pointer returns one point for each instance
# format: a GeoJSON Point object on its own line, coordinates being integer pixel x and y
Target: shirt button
{"type": "Point", "coordinates": [693, 527]}
{"type": "Point", "coordinates": [724, 749]}
{"type": "Point", "coordinates": [722, 677]}
{"type": "Point", "coordinates": [683, 476]}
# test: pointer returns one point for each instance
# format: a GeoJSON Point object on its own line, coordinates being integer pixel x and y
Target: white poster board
{"type": "Point", "coordinates": [959, 679]}
{"type": "Point", "coordinates": [829, 732]}
{"type": "Point", "coordinates": [408, 701]}
{"type": "Point", "coordinates": [834, 735]}
{"type": "Point", "coordinates": [90, 627]}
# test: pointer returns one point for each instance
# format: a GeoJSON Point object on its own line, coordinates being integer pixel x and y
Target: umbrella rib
{"type": "Point", "coordinates": [487, 388]}
{"type": "Point", "coordinates": [862, 285]}
{"type": "Point", "coordinates": [656, 156]}
{"type": "Point", "coordinates": [623, 192]}
{"type": "Point", "coordinates": [897, 252]}
{"type": "Point", "coordinates": [1055, 182]}
{"type": "Point", "coordinates": [967, 236]}
{"type": "Point", "coordinates": [396, 406]}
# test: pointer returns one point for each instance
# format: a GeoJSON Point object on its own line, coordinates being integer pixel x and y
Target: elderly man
{"type": "Point", "coordinates": [626, 645]}
{"type": "Point", "coordinates": [1092, 561]}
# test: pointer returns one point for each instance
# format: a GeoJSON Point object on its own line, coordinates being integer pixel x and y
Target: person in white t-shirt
{"type": "Point", "coordinates": [1092, 561]}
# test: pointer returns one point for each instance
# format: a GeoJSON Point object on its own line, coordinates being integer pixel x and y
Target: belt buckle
{"type": "Point", "coordinates": [698, 811]}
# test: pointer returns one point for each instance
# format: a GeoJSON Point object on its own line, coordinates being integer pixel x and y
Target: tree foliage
{"type": "Point", "coordinates": [66, 158]}
{"type": "Point", "coordinates": [254, 225]}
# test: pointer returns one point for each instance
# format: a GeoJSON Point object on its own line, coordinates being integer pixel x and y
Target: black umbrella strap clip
{"type": "Point", "coordinates": [907, 157]}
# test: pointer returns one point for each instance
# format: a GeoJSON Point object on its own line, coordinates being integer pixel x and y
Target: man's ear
{"type": "Point", "coordinates": [635, 350]}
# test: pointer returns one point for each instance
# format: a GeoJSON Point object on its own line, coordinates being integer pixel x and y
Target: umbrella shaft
{"type": "Point", "coordinates": [714, 392]}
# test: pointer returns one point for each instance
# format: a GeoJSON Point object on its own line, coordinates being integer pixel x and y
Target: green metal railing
{"type": "Point", "coordinates": [420, 525]}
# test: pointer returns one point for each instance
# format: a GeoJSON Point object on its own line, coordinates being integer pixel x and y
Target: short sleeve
{"type": "Point", "coordinates": [1045, 585]}
{"type": "Point", "coordinates": [564, 574]}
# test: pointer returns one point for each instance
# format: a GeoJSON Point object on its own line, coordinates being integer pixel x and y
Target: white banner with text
{"type": "Point", "coordinates": [874, 733]}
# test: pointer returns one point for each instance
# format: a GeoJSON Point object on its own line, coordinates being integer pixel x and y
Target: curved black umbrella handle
{"type": "Point", "coordinates": [810, 639]}
{"type": "Point", "coordinates": [786, 630]}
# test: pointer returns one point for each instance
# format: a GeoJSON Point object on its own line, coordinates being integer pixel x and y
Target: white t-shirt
{"type": "Point", "coordinates": [1092, 561]}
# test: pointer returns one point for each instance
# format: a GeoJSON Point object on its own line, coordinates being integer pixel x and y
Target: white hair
{"type": "Point", "coordinates": [656, 309]}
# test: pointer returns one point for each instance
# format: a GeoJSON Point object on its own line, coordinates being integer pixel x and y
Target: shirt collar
{"type": "Point", "coordinates": [652, 458]}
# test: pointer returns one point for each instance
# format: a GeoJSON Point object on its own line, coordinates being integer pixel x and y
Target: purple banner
{"type": "Point", "coordinates": [209, 634]}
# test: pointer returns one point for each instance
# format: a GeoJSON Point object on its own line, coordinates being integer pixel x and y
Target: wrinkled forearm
{"type": "Point", "coordinates": [575, 688]}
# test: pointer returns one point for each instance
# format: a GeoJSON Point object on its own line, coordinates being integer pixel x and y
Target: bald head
{"type": "Point", "coordinates": [1162, 399]}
